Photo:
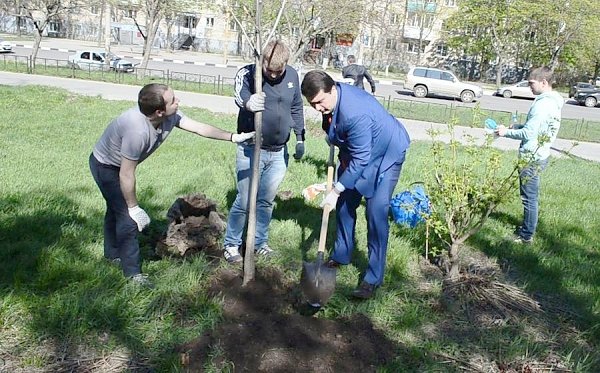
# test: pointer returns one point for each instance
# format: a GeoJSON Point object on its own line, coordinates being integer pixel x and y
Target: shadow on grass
{"type": "Point", "coordinates": [540, 266]}
{"type": "Point", "coordinates": [51, 267]}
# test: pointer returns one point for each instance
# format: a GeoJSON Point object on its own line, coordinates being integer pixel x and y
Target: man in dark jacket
{"type": "Point", "coordinates": [282, 107]}
{"type": "Point", "coordinates": [358, 73]}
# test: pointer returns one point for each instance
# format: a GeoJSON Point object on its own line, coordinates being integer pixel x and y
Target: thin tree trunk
{"type": "Point", "coordinates": [454, 265]}
{"type": "Point", "coordinates": [499, 67]}
{"type": "Point", "coordinates": [249, 265]}
{"type": "Point", "coordinates": [37, 40]}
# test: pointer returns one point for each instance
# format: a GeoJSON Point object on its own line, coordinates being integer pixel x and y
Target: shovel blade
{"type": "Point", "coordinates": [317, 282]}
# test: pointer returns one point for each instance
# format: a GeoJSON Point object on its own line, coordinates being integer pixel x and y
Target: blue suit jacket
{"type": "Point", "coordinates": [369, 138]}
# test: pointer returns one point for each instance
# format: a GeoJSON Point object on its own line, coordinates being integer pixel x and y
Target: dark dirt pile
{"type": "Point", "coordinates": [265, 330]}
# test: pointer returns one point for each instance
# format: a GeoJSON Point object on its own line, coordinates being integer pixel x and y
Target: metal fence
{"type": "Point", "coordinates": [201, 83]}
{"type": "Point", "coordinates": [572, 129]}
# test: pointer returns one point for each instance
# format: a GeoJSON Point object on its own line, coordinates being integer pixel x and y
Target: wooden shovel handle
{"type": "Point", "coordinates": [327, 208]}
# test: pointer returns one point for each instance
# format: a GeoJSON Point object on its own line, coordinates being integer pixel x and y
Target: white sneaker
{"type": "Point", "coordinates": [264, 250]}
{"type": "Point", "coordinates": [141, 279]}
{"type": "Point", "coordinates": [232, 254]}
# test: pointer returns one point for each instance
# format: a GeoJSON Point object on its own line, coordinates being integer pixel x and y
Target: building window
{"type": "Point", "coordinates": [441, 50]}
{"type": "Point", "coordinates": [413, 19]}
{"type": "Point", "coordinates": [22, 22]}
{"type": "Point", "coordinates": [130, 13]}
{"type": "Point", "coordinates": [54, 26]}
{"type": "Point", "coordinates": [413, 48]}
{"type": "Point", "coordinates": [94, 9]}
{"type": "Point", "coordinates": [450, 2]}
{"type": "Point", "coordinates": [390, 44]}
{"type": "Point", "coordinates": [233, 26]}
{"type": "Point", "coordinates": [368, 41]}
{"type": "Point", "coordinates": [394, 18]}
{"type": "Point", "coordinates": [190, 22]}
{"type": "Point", "coordinates": [418, 19]}
{"type": "Point", "coordinates": [210, 21]}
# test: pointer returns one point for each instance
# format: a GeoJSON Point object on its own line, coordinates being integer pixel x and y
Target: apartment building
{"type": "Point", "coordinates": [394, 35]}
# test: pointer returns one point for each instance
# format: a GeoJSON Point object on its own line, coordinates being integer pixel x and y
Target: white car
{"type": "Point", "coordinates": [521, 89]}
{"type": "Point", "coordinates": [5, 46]}
{"type": "Point", "coordinates": [424, 81]}
{"type": "Point", "coordinates": [96, 60]}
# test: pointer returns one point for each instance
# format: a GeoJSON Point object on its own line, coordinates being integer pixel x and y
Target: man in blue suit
{"type": "Point", "coordinates": [372, 146]}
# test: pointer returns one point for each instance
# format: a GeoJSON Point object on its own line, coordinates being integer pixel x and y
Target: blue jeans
{"type": "Point", "coordinates": [273, 165]}
{"type": "Point", "coordinates": [120, 231]}
{"type": "Point", "coordinates": [529, 181]}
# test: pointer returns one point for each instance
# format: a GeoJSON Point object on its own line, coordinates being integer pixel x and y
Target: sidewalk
{"type": "Point", "coordinates": [222, 104]}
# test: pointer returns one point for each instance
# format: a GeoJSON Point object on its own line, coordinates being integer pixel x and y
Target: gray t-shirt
{"type": "Point", "coordinates": [132, 136]}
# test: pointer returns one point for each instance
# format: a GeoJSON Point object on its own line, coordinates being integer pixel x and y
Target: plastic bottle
{"type": "Point", "coordinates": [514, 120]}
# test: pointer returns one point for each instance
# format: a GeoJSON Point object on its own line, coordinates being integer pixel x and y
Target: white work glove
{"type": "Point", "coordinates": [241, 137]}
{"type": "Point", "coordinates": [330, 199]}
{"type": "Point", "coordinates": [256, 102]}
{"type": "Point", "coordinates": [139, 216]}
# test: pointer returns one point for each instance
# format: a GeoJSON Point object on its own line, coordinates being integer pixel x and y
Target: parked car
{"type": "Point", "coordinates": [5, 46]}
{"type": "Point", "coordinates": [424, 81]}
{"type": "Point", "coordinates": [580, 86]}
{"type": "Point", "coordinates": [520, 89]}
{"type": "Point", "coordinates": [96, 60]}
{"type": "Point", "coordinates": [588, 98]}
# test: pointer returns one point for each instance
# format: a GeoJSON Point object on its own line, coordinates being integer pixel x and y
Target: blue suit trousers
{"type": "Point", "coordinates": [378, 226]}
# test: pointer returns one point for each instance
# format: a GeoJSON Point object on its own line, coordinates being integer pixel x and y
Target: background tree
{"type": "Point", "coordinates": [149, 15]}
{"type": "Point", "coordinates": [554, 24]}
{"type": "Point", "coordinates": [499, 26]}
{"type": "Point", "coordinates": [41, 13]}
{"type": "Point", "coordinates": [301, 20]}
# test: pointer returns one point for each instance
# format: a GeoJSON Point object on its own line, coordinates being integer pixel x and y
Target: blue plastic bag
{"type": "Point", "coordinates": [409, 207]}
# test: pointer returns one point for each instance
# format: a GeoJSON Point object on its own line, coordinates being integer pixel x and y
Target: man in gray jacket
{"type": "Point", "coordinates": [358, 73]}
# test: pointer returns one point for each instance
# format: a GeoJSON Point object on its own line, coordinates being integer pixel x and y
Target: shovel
{"type": "Point", "coordinates": [317, 280]}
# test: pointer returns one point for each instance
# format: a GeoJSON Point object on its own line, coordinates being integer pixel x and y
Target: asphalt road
{"type": "Point", "coordinates": [571, 109]}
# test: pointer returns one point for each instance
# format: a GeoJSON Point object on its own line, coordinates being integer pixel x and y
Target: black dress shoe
{"type": "Point", "coordinates": [332, 264]}
{"type": "Point", "coordinates": [364, 291]}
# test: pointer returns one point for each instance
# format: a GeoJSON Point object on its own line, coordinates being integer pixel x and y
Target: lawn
{"type": "Point", "coordinates": [63, 308]}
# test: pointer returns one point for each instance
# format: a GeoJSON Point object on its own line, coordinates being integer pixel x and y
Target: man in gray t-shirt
{"type": "Point", "coordinates": [126, 142]}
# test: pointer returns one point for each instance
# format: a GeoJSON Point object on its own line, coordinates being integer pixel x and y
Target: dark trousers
{"type": "Point", "coordinates": [120, 231]}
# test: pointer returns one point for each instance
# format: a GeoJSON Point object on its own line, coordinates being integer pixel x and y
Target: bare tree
{"type": "Point", "coordinates": [301, 20]}
{"type": "Point", "coordinates": [41, 13]}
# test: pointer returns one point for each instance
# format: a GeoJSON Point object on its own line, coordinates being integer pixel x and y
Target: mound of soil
{"type": "Point", "coordinates": [266, 329]}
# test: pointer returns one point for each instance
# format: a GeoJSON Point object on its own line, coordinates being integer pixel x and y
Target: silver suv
{"type": "Point", "coordinates": [425, 81]}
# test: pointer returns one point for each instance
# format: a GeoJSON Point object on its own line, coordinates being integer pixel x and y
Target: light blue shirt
{"type": "Point", "coordinates": [541, 128]}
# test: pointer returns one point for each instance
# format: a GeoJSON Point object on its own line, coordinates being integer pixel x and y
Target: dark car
{"type": "Point", "coordinates": [588, 97]}
{"type": "Point", "coordinates": [578, 87]}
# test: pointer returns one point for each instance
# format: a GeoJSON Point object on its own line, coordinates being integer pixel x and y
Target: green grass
{"type": "Point", "coordinates": [571, 129]}
{"type": "Point", "coordinates": [55, 289]}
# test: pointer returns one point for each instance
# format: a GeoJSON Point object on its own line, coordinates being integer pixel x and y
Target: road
{"type": "Point", "coordinates": [571, 109]}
